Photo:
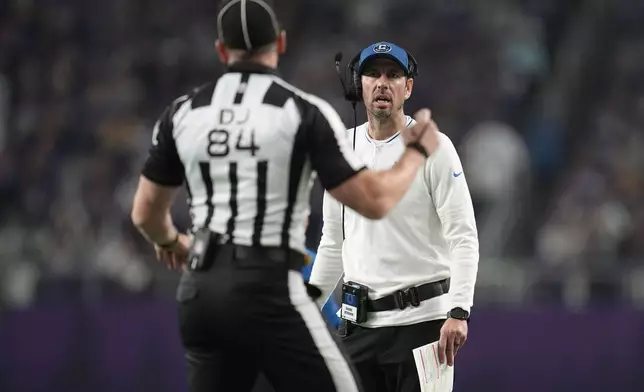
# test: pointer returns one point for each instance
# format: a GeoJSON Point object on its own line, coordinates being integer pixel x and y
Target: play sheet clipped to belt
{"type": "Point", "coordinates": [433, 376]}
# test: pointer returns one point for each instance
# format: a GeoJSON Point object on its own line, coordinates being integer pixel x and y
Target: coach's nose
{"type": "Point", "coordinates": [383, 82]}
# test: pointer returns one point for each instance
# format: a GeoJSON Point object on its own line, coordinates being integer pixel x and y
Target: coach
{"type": "Point", "coordinates": [408, 278]}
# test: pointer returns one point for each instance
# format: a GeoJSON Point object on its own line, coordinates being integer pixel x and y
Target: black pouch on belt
{"type": "Point", "coordinates": [204, 249]}
{"type": "Point", "coordinates": [354, 302]}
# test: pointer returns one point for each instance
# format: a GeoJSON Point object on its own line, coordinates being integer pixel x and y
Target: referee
{"type": "Point", "coordinates": [246, 146]}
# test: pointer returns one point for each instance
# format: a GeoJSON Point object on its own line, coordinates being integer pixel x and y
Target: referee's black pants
{"type": "Point", "coordinates": [383, 356]}
{"type": "Point", "coordinates": [251, 313]}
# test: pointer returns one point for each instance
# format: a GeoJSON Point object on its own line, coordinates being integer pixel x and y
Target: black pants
{"type": "Point", "coordinates": [383, 356]}
{"type": "Point", "coordinates": [253, 314]}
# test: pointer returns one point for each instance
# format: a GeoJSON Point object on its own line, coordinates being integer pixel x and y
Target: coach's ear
{"type": "Point", "coordinates": [222, 51]}
{"type": "Point", "coordinates": [409, 87]}
{"type": "Point", "coordinates": [281, 43]}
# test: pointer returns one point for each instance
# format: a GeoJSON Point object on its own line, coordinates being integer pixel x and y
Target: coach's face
{"type": "Point", "coordinates": [384, 87]}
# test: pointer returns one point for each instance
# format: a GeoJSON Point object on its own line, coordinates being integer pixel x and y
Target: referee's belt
{"type": "Point", "coordinates": [412, 296]}
{"type": "Point", "coordinates": [289, 257]}
{"type": "Point", "coordinates": [244, 254]}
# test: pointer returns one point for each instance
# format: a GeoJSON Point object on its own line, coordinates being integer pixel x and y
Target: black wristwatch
{"type": "Point", "coordinates": [459, 314]}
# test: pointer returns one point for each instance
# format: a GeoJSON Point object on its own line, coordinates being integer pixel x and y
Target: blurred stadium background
{"type": "Point", "coordinates": [543, 98]}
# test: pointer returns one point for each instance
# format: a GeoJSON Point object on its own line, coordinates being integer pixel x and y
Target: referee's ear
{"type": "Point", "coordinates": [222, 52]}
{"type": "Point", "coordinates": [281, 42]}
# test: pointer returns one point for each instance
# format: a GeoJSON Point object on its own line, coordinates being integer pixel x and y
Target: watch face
{"type": "Point", "coordinates": [458, 313]}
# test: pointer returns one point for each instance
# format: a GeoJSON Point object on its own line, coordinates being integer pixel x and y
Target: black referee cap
{"type": "Point", "coordinates": [247, 24]}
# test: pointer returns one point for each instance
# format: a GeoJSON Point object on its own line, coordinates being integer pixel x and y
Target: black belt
{"type": "Point", "coordinates": [293, 259]}
{"type": "Point", "coordinates": [412, 296]}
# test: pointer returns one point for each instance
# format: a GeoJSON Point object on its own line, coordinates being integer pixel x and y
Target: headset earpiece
{"type": "Point", "coordinates": [357, 83]}
{"type": "Point", "coordinates": [355, 87]}
{"type": "Point", "coordinates": [413, 65]}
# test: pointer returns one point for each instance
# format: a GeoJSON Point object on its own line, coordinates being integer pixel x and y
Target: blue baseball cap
{"type": "Point", "coordinates": [386, 50]}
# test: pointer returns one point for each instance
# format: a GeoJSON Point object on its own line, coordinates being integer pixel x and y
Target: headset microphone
{"type": "Point", "coordinates": [349, 97]}
{"type": "Point", "coordinates": [338, 59]}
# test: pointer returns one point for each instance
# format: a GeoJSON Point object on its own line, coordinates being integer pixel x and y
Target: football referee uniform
{"type": "Point", "coordinates": [246, 147]}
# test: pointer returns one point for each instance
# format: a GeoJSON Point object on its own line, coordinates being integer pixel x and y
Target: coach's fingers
{"type": "Point", "coordinates": [442, 345]}
{"type": "Point", "coordinates": [457, 346]}
{"type": "Point", "coordinates": [449, 351]}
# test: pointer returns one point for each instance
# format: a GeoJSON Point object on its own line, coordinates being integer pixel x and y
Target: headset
{"type": "Point", "coordinates": [353, 88]}
{"type": "Point", "coordinates": [353, 93]}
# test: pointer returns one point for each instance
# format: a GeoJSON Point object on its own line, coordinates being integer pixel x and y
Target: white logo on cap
{"type": "Point", "coordinates": [382, 48]}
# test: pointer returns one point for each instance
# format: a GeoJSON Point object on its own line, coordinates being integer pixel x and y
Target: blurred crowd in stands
{"type": "Point", "coordinates": [595, 225]}
{"type": "Point", "coordinates": [82, 82]}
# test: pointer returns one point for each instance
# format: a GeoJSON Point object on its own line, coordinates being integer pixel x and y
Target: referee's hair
{"type": "Point", "coordinates": [250, 54]}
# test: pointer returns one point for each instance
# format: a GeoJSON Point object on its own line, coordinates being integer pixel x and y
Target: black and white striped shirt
{"type": "Point", "coordinates": [247, 147]}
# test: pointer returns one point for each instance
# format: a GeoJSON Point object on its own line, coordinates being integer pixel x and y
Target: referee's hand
{"type": "Point", "coordinates": [424, 131]}
{"type": "Point", "coordinates": [177, 255]}
{"type": "Point", "coordinates": [453, 336]}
